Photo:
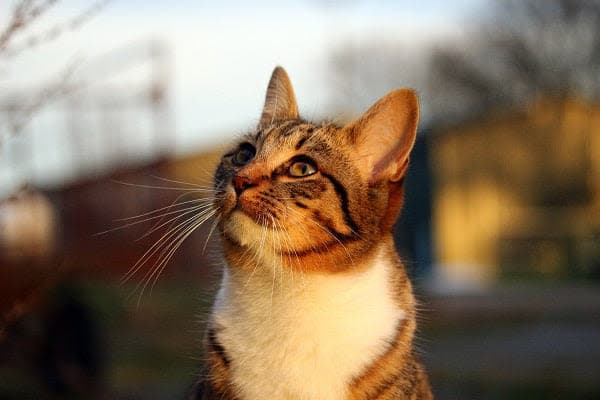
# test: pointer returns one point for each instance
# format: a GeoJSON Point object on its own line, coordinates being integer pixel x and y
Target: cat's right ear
{"type": "Point", "coordinates": [280, 102]}
{"type": "Point", "coordinates": [384, 136]}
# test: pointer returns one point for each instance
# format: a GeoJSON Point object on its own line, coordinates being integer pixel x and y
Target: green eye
{"type": "Point", "coordinates": [302, 168]}
{"type": "Point", "coordinates": [244, 155]}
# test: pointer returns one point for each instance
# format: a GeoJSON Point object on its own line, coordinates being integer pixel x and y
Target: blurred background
{"type": "Point", "coordinates": [113, 114]}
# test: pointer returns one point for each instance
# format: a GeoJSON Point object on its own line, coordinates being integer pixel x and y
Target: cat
{"type": "Point", "coordinates": [314, 302]}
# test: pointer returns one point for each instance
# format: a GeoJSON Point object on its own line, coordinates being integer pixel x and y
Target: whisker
{"type": "Point", "coordinates": [173, 248]}
{"type": "Point", "coordinates": [166, 244]}
{"type": "Point", "coordinates": [180, 182]}
{"type": "Point", "coordinates": [212, 229]}
{"type": "Point", "coordinates": [130, 224]}
{"type": "Point", "coordinates": [293, 249]}
{"type": "Point", "coordinates": [163, 208]}
{"type": "Point", "coordinates": [202, 208]}
{"type": "Point", "coordinates": [290, 246]}
{"type": "Point", "coordinates": [200, 190]}
{"type": "Point", "coordinates": [273, 271]}
{"type": "Point", "coordinates": [282, 239]}
{"type": "Point", "coordinates": [329, 233]}
{"type": "Point", "coordinates": [181, 196]}
{"type": "Point", "coordinates": [152, 250]}
{"type": "Point", "coordinates": [257, 252]}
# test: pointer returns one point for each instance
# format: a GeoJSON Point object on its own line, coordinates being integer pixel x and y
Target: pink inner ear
{"type": "Point", "coordinates": [385, 135]}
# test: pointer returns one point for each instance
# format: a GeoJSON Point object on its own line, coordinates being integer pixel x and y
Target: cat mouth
{"type": "Point", "coordinates": [255, 210]}
{"type": "Point", "coordinates": [232, 203]}
{"type": "Point", "coordinates": [259, 217]}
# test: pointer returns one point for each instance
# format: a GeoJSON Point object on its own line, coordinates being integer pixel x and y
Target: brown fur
{"type": "Point", "coordinates": [334, 219]}
{"type": "Point", "coordinates": [396, 374]}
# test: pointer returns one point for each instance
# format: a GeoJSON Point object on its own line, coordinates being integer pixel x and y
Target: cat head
{"type": "Point", "coordinates": [314, 196]}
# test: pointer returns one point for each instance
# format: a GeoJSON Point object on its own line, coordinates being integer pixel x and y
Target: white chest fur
{"type": "Point", "coordinates": [292, 337]}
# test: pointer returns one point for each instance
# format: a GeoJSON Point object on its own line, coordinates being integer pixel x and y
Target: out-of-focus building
{"type": "Point", "coordinates": [103, 226]}
{"type": "Point", "coordinates": [114, 171]}
{"type": "Point", "coordinates": [518, 193]}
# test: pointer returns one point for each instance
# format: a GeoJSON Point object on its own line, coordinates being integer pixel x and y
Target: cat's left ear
{"type": "Point", "coordinates": [280, 101]}
{"type": "Point", "coordinates": [384, 136]}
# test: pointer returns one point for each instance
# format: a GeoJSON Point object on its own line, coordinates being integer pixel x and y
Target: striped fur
{"type": "Point", "coordinates": [314, 303]}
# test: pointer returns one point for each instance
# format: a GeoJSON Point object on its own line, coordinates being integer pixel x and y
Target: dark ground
{"type": "Point", "coordinates": [527, 342]}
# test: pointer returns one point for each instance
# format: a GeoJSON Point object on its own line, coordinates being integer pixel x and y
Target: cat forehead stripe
{"type": "Point", "coordinates": [301, 143]}
{"type": "Point", "coordinates": [286, 130]}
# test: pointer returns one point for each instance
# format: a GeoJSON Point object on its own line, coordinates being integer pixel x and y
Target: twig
{"type": "Point", "coordinates": [24, 13]}
{"type": "Point", "coordinates": [49, 35]}
{"type": "Point", "coordinates": [50, 92]}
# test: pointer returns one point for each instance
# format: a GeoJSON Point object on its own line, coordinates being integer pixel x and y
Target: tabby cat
{"type": "Point", "coordinates": [314, 302]}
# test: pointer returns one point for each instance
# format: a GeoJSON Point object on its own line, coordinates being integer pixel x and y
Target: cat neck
{"type": "Point", "coordinates": [273, 317]}
{"type": "Point", "coordinates": [271, 291]}
{"type": "Point", "coordinates": [267, 272]}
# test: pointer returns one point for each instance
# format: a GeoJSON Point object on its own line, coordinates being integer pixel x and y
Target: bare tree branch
{"type": "Point", "coordinates": [520, 50]}
{"type": "Point", "coordinates": [24, 13]}
{"type": "Point", "coordinates": [530, 47]}
{"type": "Point", "coordinates": [19, 22]}
{"type": "Point", "coordinates": [20, 110]}
{"type": "Point", "coordinates": [24, 109]}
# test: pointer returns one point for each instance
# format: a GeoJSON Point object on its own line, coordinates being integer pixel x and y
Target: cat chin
{"type": "Point", "coordinates": [243, 229]}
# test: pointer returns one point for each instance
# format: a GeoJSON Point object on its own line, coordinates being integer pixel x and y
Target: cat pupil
{"type": "Point", "coordinates": [300, 169]}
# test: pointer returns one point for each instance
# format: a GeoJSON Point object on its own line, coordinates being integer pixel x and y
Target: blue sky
{"type": "Point", "coordinates": [222, 54]}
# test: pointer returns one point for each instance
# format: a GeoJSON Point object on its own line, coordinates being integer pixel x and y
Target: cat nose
{"type": "Point", "coordinates": [241, 183]}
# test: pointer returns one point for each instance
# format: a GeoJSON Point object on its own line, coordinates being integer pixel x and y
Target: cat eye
{"type": "Point", "coordinates": [302, 168]}
{"type": "Point", "coordinates": [244, 155]}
